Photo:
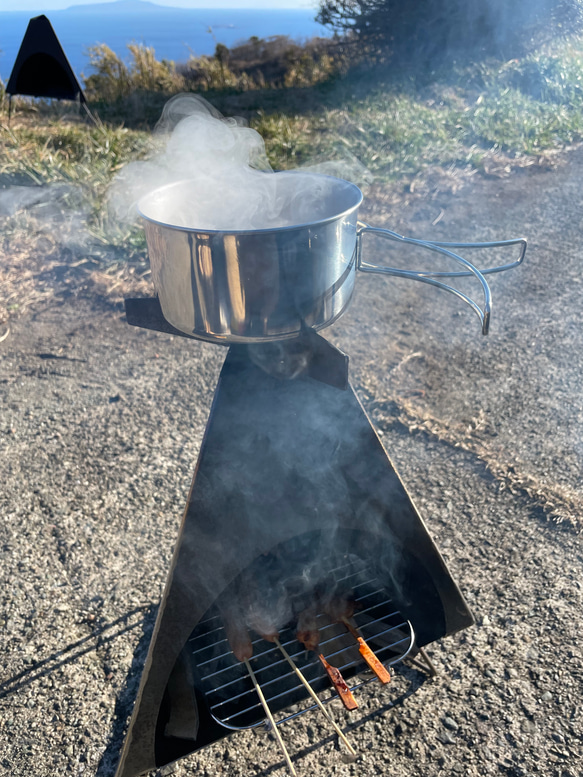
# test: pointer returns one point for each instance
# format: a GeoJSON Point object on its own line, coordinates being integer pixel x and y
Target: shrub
{"type": "Point", "coordinates": [150, 75]}
{"type": "Point", "coordinates": [258, 63]}
{"type": "Point", "coordinates": [114, 80]}
{"type": "Point", "coordinates": [111, 81]}
{"type": "Point", "coordinates": [431, 31]}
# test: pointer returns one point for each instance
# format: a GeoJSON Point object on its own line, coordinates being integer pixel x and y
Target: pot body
{"type": "Point", "coordinates": [256, 285]}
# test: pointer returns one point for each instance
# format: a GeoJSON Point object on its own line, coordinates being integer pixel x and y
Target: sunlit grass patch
{"type": "Point", "coordinates": [398, 128]}
{"type": "Point", "coordinates": [289, 138]}
{"type": "Point", "coordinates": [519, 124]}
{"type": "Point", "coordinates": [53, 151]}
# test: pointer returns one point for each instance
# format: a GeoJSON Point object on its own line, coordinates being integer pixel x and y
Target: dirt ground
{"type": "Point", "coordinates": [100, 426]}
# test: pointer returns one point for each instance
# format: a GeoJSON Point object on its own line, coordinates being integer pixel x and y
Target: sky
{"type": "Point", "coordinates": [53, 5]}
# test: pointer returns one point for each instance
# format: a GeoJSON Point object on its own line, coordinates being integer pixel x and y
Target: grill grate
{"type": "Point", "coordinates": [229, 691]}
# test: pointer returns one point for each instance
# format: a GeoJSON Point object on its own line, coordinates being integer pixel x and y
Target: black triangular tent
{"type": "Point", "coordinates": [41, 68]}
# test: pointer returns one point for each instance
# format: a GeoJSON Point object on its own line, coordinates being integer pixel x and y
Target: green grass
{"type": "Point", "coordinates": [397, 129]}
{"type": "Point", "coordinates": [51, 151]}
{"type": "Point", "coordinates": [84, 156]}
{"type": "Point", "coordinates": [395, 125]}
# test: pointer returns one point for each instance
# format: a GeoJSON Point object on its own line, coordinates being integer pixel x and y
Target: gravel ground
{"type": "Point", "coordinates": [100, 428]}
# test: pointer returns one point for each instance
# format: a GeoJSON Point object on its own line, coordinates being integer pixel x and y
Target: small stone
{"type": "Point", "coordinates": [168, 769]}
{"type": "Point", "coordinates": [486, 621]}
{"type": "Point", "coordinates": [450, 723]}
{"type": "Point", "coordinates": [69, 751]}
{"type": "Point", "coordinates": [547, 696]}
{"type": "Point", "coordinates": [446, 738]}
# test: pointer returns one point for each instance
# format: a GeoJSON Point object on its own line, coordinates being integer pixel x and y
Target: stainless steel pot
{"type": "Point", "coordinates": [259, 285]}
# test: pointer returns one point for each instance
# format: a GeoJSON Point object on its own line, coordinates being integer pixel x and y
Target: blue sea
{"type": "Point", "coordinates": [175, 33]}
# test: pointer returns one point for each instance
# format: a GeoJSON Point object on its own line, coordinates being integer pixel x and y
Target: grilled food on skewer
{"type": "Point", "coordinates": [264, 601]}
{"type": "Point", "coordinates": [339, 684]}
{"type": "Point", "coordinates": [236, 631]}
{"type": "Point", "coordinates": [307, 629]}
{"type": "Point", "coordinates": [309, 636]}
{"type": "Point", "coordinates": [257, 603]}
{"type": "Point", "coordinates": [340, 607]}
{"type": "Point", "coordinates": [262, 623]}
{"type": "Point", "coordinates": [337, 605]}
{"type": "Point", "coordinates": [373, 662]}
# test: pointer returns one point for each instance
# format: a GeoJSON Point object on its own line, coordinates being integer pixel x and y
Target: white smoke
{"type": "Point", "coordinates": [221, 177]}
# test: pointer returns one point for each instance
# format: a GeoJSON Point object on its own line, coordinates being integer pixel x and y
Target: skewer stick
{"type": "Point", "coordinates": [373, 662]}
{"type": "Point", "coordinates": [270, 718]}
{"type": "Point", "coordinates": [314, 696]}
{"type": "Point", "coordinates": [429, 662]}
{"type": "Point", "coordinates": [350, 627]}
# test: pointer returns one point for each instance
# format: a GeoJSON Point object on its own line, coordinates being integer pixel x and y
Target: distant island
{"type": "Point", "coordinates": [122, 6]}
{"type": "Point", "coordinates": [146, 7]}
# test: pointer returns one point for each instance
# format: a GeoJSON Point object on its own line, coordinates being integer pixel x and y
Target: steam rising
{"type": "Point", "coordinates": [222, 178]}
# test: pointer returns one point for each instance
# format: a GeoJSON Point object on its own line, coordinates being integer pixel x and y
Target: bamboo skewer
{"type": "Point", "coordinates": [429, 662]}
{"type": "Point", "coordinates": [270, 718]}
{"type": "Point", "coordinates": [314, 696]}
{"type": "Point", "coordinates": [373, 662]}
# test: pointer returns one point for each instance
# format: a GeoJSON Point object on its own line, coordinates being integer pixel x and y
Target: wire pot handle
{"type": "Point", "coordinates": [431, 278]}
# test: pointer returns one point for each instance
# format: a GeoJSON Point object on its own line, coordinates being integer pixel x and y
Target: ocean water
{"type": "Point", "coordinates": [174, 33]}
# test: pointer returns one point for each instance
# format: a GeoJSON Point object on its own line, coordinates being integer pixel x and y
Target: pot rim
{"type": "Point", "coordinates": [267, 230]}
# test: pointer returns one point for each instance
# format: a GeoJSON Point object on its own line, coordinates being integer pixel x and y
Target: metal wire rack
{"type": "Point", "coordinates": [228, 689]}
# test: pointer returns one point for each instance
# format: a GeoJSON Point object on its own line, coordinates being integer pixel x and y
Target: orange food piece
{"type": "Point", "coordinates": [373, 662]}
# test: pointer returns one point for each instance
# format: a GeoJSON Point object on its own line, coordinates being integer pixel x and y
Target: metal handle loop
{"type": "Point", "coordinates": [430, 277]}
{"type": "Point", "coordinates": [521, 241]}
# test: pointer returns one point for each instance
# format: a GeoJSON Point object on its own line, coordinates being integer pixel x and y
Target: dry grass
{"type": "Point", "coordinates": [35, 269]}
{"type": "Point", "coordinates": [54, 173]}
{"type": "Point", "coordinates": [559, 503]}
{"type": "Point", "coordinates": [21, 270]}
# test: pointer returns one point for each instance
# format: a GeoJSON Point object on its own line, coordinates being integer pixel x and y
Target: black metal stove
{"type": "Point", "coordinates": [292, 475]}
